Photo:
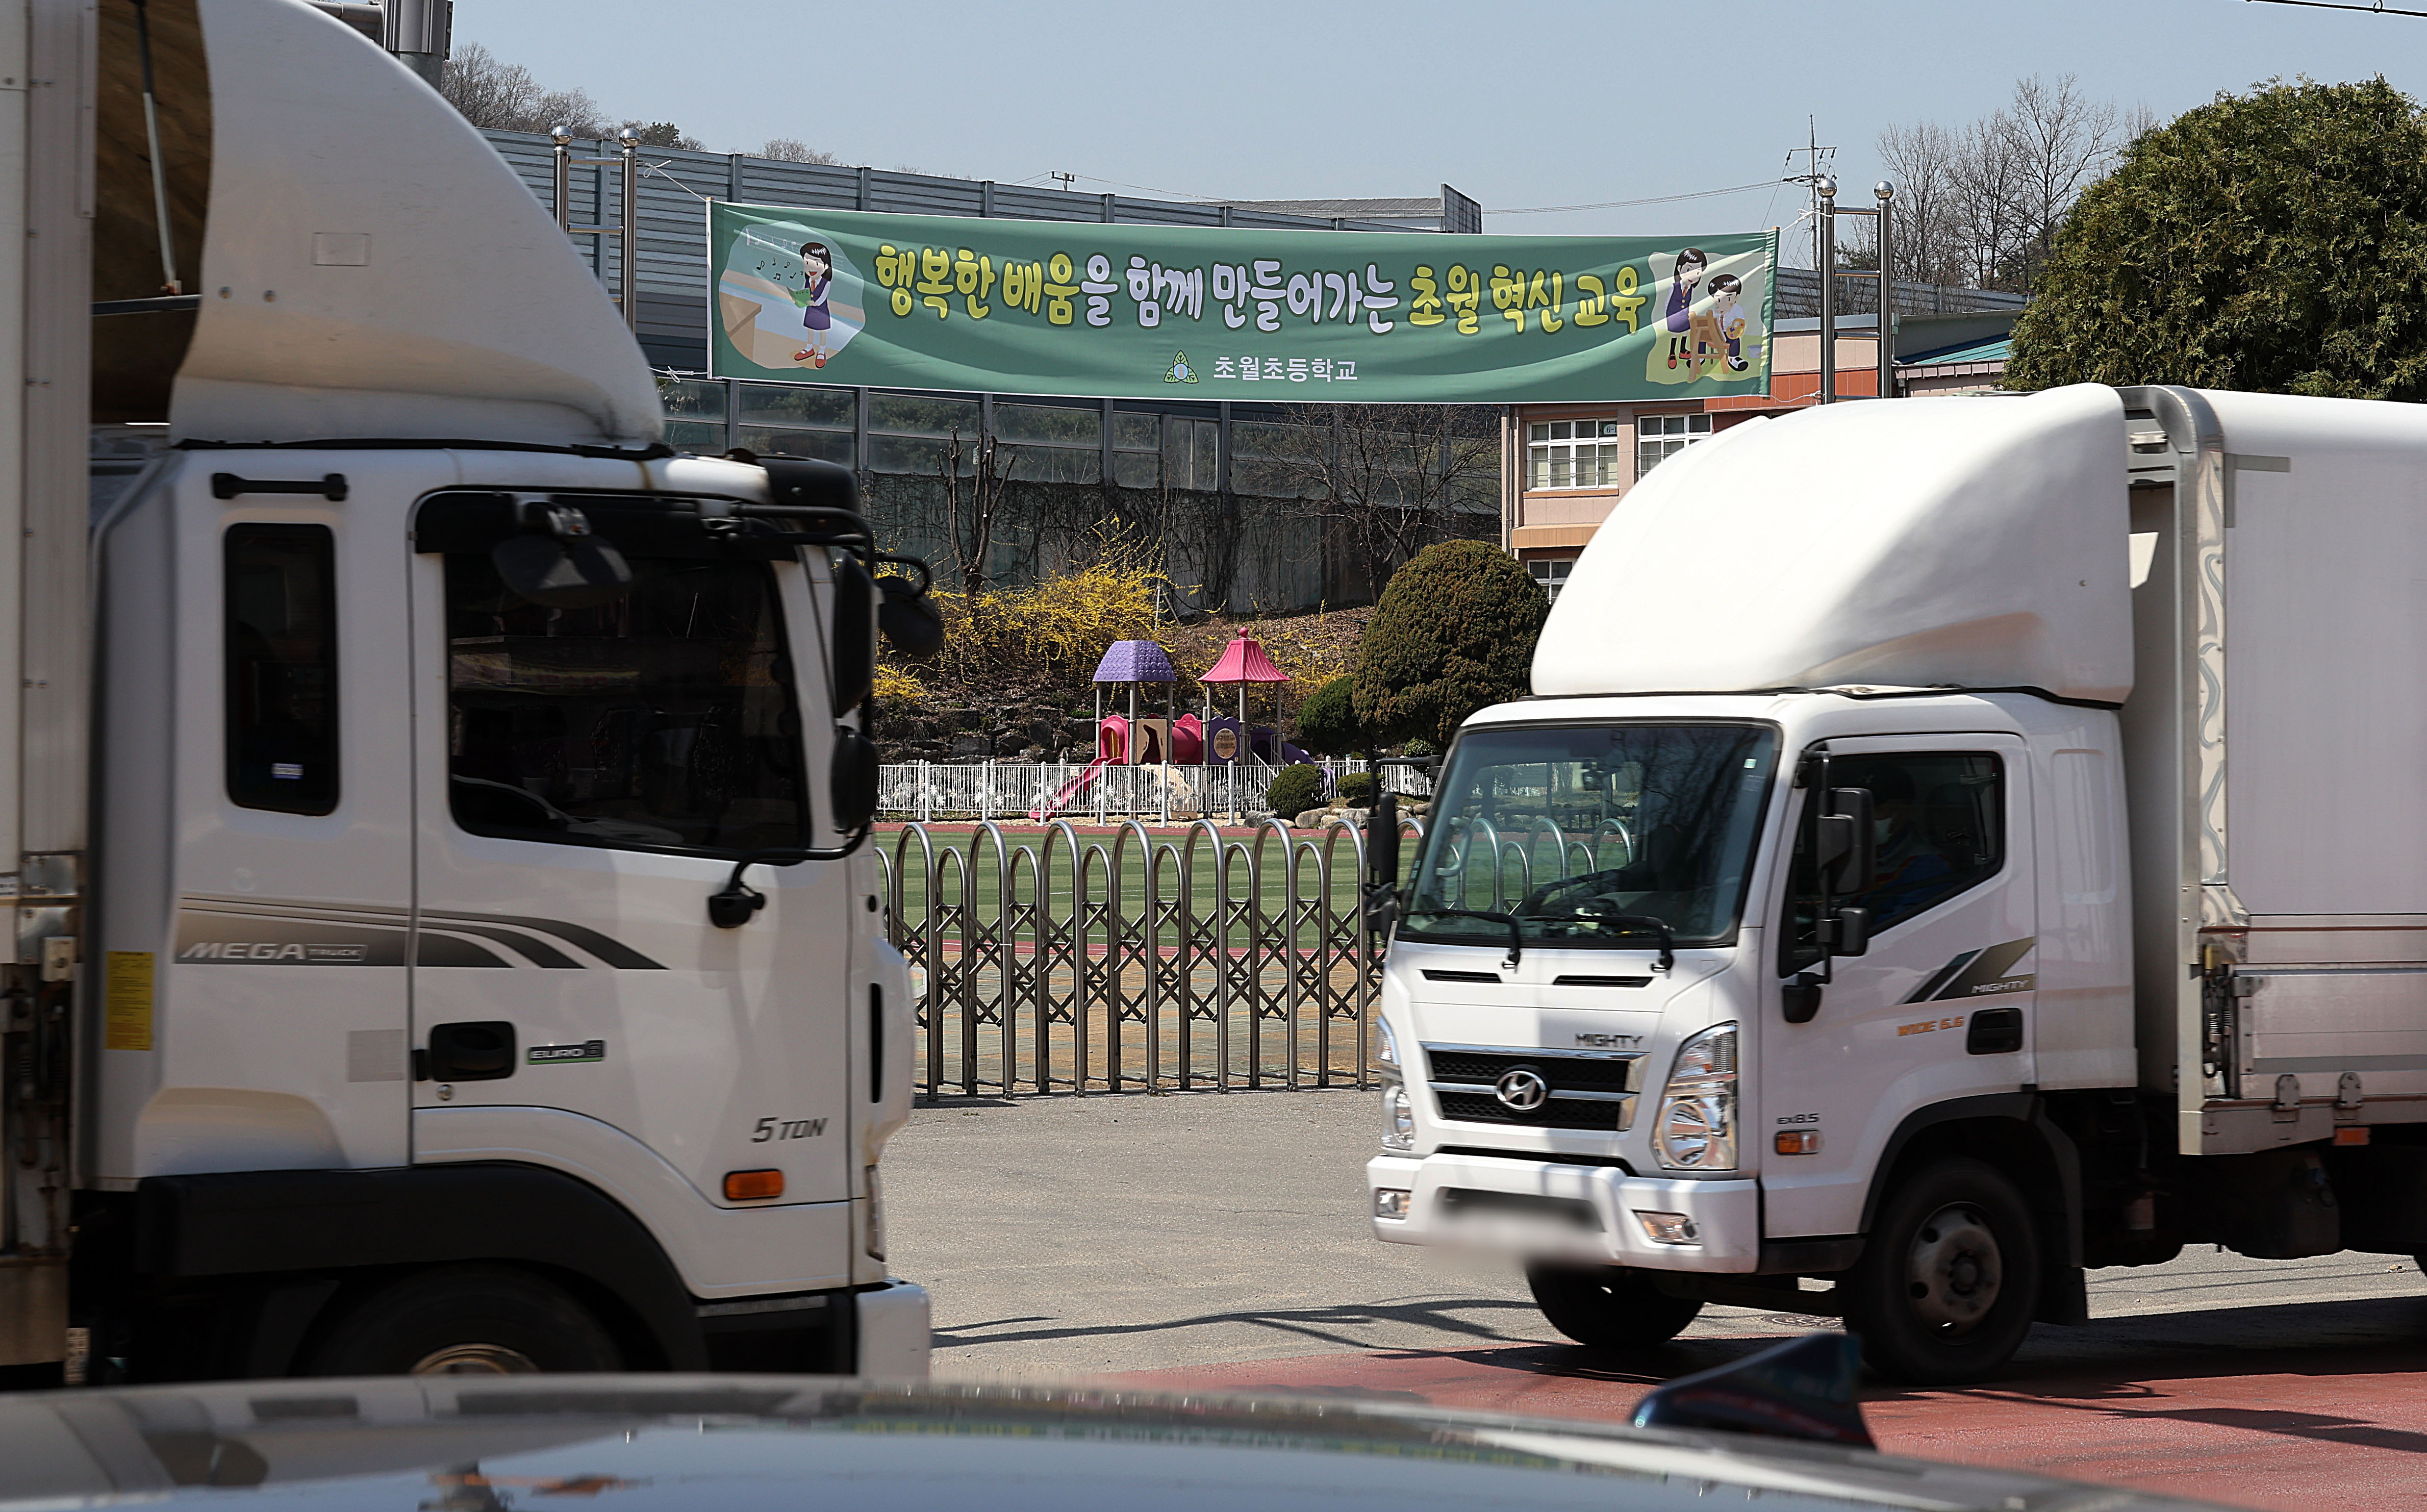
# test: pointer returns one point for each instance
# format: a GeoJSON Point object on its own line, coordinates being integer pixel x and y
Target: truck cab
{"type": "Point", "coordinates": [1673, 975]}
{"type": "Point", "coordinates": [1900, 893]}
{"type": "Point", "coordinates": [446, 942]}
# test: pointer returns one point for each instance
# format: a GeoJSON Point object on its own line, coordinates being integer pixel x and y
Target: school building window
{"type": "Point", "coordinates": [1553, 576]}
{"type": "Point", "coordinates": [1658, 437]}
{"type": "Point", "coordinates": [1572, 454]}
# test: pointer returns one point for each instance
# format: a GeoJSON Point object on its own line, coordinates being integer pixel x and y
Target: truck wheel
{"type": "Point", "coordinates": [1608, 1306]}
{"type": "Point", "coordinates": [466, 1320]}
{"type": "Point", "coordinates": [1949, 1277]}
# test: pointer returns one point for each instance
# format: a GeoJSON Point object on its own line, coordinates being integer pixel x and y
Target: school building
{"type": "Point", "coordinates": [1566, 466]}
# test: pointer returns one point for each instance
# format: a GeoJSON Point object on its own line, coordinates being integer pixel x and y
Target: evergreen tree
{"type": "Point", "coordinates": [2274, 241]}
{"type": "Point", "coordinates": [1454, 631]}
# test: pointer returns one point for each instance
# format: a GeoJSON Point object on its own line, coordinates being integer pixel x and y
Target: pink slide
{"type": "Point", "coordinates": [1070, 789]}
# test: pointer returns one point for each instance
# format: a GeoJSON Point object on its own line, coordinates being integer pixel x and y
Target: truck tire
{"type": "Point", "coordinates": [1608, 1306]}
{"type": "Point", "coordinates": [1949, 1277]}
{"type": "Point", "coordinates": [464, 1320]}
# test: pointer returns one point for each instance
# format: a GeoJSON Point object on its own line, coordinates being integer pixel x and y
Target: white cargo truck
{"type": "Point", "coordinates": [430, 806]}
{"type": "Point", "coordinates": [1952, 843]}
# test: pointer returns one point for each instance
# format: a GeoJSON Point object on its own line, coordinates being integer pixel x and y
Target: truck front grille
{"type": "Point", "coordinates": [1587, 1090]}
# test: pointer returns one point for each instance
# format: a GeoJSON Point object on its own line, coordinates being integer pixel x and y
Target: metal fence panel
{"type": "Point", "coordinates": [1039, 791]}
{"type": "Point", "coordinates": [1047, 961]}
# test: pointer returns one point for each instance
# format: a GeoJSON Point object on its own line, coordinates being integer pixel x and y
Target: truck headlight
{"type": "Point", "coordinates": [1398, 1117]}
{"type": "Point", "coordinates": [1697, 1127]}
{"type": "Point", "coordinates": [1385, 1059]}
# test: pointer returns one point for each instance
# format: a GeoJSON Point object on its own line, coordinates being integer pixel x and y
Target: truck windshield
{"type": "Point", "coordinates": [1573, 830]}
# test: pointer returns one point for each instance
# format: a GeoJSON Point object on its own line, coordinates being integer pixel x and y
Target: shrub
{"type": "Point", "coordinates": [1357, 789]}
{"type": "Point", "coordinates": [1420, 747]}
{"type": "Point", "coordinates": [1295, 791]}
{"type": "Point", "coordinates": [897, 685]}
{"type": "Point", "coordinates": [1326, 723]}
{"type": "Point", "coordinates": [1454, 631]}
{"type": "Point", "coordinates": [2274, 242]}
{"type": "Point", "coordinates": [1054, 631]}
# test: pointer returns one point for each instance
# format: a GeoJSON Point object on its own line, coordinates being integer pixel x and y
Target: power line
{"type": "Point", "coordinates": [1657, 199]}
{"type": "Point", "coordinates": [2380, 9]}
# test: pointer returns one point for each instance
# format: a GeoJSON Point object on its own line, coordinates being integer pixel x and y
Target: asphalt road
{"type": "Point", "coordinates": [1219, 1242]}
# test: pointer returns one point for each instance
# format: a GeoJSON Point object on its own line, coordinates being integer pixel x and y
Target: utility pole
{"type": "Point", "coordinates": [1817, 158]}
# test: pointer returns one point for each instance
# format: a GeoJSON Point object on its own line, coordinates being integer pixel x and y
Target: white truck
{"type": "Point", "coordinates": [398, 725]}
{"type": "Point", "coordinates": [1952, 843]}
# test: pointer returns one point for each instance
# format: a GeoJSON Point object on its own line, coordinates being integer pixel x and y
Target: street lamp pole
{"type": "Point", "coordinates": [1884, 193]}
{"type": "Point", "coordinates": [1827, 272]}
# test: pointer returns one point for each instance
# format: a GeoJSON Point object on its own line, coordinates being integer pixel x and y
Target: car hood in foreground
{"type": "Point", "coordinates": [772, 1444]}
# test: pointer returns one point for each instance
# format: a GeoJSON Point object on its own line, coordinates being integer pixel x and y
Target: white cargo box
{"type": "Point", "coordinates": [2276, 742]}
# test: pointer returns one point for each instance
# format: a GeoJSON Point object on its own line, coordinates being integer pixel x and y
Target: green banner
{"type": "Point", "coordinates": [1091, 311]}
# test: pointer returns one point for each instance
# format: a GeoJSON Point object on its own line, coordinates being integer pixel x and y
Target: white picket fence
{"type": "Point", "coordinates": [923, 791]}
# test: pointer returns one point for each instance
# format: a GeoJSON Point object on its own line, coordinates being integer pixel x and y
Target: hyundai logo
{"type": "Point", "coordinates": [1520, 1089]}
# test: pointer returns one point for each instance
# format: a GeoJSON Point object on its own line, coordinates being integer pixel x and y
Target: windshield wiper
{"type": "Point", "coordinates": [1516, 932]}
{"type": "Point", "coordinates": [1642, 923]}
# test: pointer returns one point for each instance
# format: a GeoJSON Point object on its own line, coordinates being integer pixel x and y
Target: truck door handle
{"type": "Point", "coordinates": [482, 1051]}
{"type": "Point", "coordinates": [331, 486]}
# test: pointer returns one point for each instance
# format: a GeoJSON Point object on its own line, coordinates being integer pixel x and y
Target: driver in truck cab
{"type": "Point", "coordinates": [1911, 869]}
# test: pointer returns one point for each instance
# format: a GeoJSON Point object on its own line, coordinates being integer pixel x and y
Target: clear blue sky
{"type": "Point", "coordinates": [1518, 104]}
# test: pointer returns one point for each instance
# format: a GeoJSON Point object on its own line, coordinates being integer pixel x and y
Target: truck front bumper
{"type": "Point", "coordinates": [1584, 1213]}
{"type": "Point", "coordinates": [893, 1330]}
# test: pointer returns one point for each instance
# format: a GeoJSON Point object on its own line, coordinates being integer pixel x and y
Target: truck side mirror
{"type": "Point", "coordinates": [853, 781]}
{"type": "Point", "coordinates": [906, 615]}
{"type": "Point", "coordinates": [1382, 864]}
{"type": "Point", "coordinates": [1848, 852]}
{"type": "Point", "coordinates": [855, 634]}
{"type": "Point", "coordinates": [1382, 842]}
{"type": "Point", "coordinates": [1849, 931]}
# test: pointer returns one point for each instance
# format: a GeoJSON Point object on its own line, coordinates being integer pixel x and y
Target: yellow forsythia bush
{"type": "Point", "coordinates": [1055, 631]}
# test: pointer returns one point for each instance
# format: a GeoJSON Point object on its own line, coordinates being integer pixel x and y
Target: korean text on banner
{"type": "Point", "coordinates": [1092, 311]}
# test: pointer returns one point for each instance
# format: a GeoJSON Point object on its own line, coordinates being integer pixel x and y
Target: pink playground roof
{"type": "Point", "coordinates": [1243, 660]}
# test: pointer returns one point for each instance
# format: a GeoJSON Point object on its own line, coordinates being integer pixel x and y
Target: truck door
{"type": "Point", "coordinates": [257, 889]}
{"type": "Point", "coordinates": [1940, 1005]}
{"type": "Point", "coordinates": [586, 778]}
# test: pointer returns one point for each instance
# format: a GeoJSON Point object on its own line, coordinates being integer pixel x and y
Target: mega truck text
{"type": "Point", "coordinates": [1951, 844]}
{"type": "Point", "coordinates": [432, 808]}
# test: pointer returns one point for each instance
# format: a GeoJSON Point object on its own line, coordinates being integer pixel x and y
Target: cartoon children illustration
{"type": "Point", "coordinates": [1719, 329]}
{"type": "Point", "coordinates": [1690, 266]}
{"type": "Point", "coordinates": [816, 276]}
{"type": "Point", "coordinates": [1731, 322]}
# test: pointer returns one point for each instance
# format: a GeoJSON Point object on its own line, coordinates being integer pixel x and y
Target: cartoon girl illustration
{"type": "Point", "coordinates": [1690, 266]}
{"type": "Point", "coordinates": [816, 276]}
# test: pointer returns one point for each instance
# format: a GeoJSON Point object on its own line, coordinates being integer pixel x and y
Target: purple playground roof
{"type": "Point", "coordinates": [1135, 662]}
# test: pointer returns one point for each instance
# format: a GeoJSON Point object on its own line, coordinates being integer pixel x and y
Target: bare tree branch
{"type": "Point", "coordinates": [969, 525]}
{"type": "Point", "coordinates": [495, 95]}
{"type": "Point", "coordinates": [792, 150]}
{"type": "Point", "coordinates": [1389, 480]}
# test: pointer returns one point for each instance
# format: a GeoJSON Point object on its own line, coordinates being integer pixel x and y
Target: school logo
{"type": "Point", "coordinates": [1179, 372]}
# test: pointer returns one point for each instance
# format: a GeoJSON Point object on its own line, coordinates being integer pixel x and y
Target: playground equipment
{"type": "Point", "coordinates": [1186, 739]}
{"type": "Point", "coordinates": [1244, 662]}
{"type": "Point", "coordinates": [1133, 662]}
{"type": "Point", "coordinates": [1120, 740]}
